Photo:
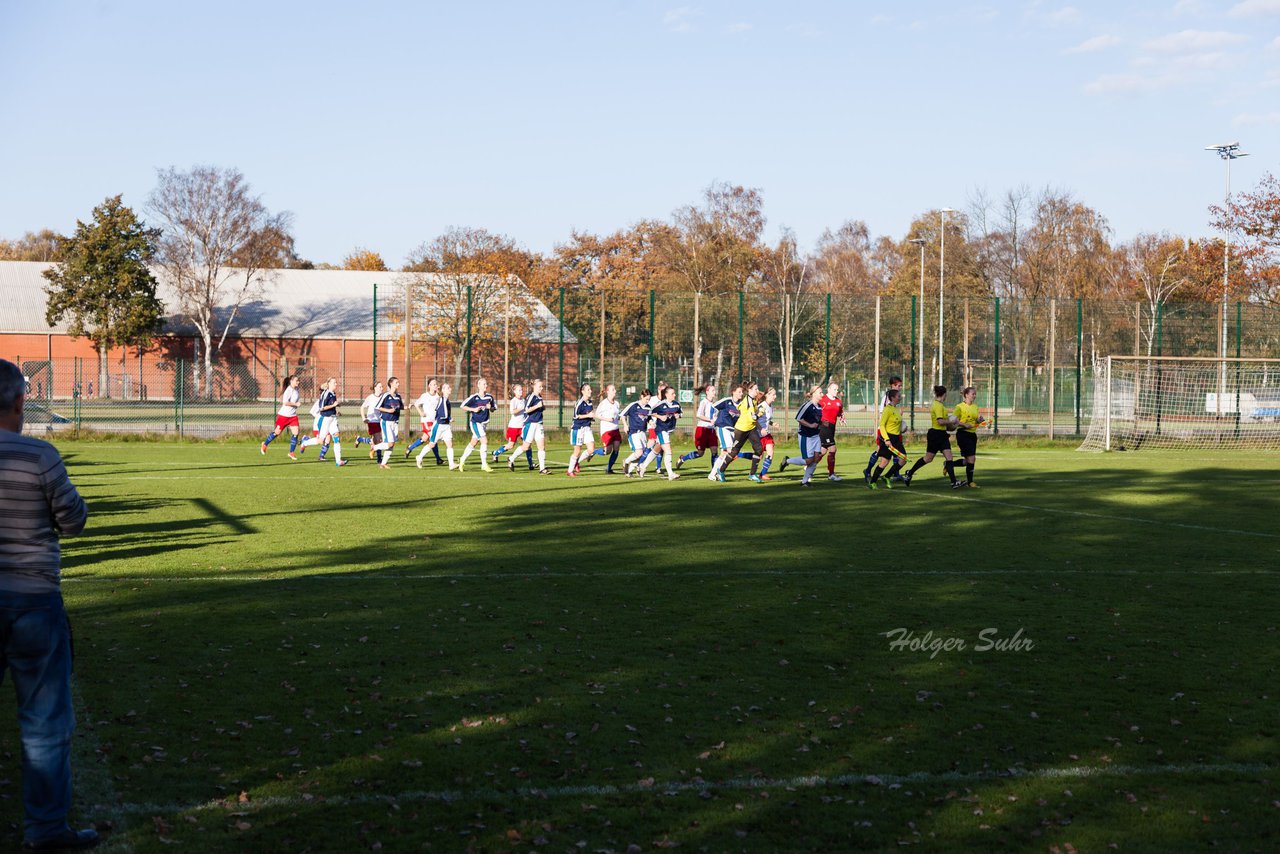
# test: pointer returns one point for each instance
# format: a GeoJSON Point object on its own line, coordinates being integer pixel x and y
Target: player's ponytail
{"type": "Point", "coordinates": [288, 381]}
{"type": "Point", "coordinates": [939, 391]}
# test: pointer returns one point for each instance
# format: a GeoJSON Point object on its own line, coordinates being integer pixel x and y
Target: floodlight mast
{"type": "Point", "coordinates": [942, 266]}
{"type": "Point", "coordinates": [1228, 151]}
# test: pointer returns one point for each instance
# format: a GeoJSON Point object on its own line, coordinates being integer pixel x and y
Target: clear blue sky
{"type": "Point", "coordinates": [380, 124]}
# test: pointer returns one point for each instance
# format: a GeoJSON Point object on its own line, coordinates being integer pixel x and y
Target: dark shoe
{"type": "Point", "coordinates": [67, 840]}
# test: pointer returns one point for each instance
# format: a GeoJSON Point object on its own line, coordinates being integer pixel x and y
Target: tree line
{"type": "Point", "coordinates": [217, 243]}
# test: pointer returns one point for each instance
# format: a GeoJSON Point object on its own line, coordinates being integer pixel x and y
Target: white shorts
{"type": "Point", "coordinates": [664, 437]}
{"type": "Point", "coordinates": [441, 433]}
{"type": "Point", "coordinates": [580, 436]}
{"type": "Point", "coordinates": [390, 431]}
{"type": "Point", "coordinates": [725, 435]}
{"type": "Point", "coordinates": [532, 431]}
{"type": "Point", "coordinates": [478, 429]}
{"type": "Point", "coordinates": [329, 426]}
{"type": "Point", "coordinates": [810, 445]}
{"type": "Point", "coordinates": [637, 441]}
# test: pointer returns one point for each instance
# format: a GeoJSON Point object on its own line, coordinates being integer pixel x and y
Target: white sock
{"type": "Point", "coordinates": [426, 449]}
{"type": "Point", "coordinates": [542, 458]}
{"type": "Point", "coordinates": [808, 473]}
{"type": "Point", "coordinates": [667, 459]}
{"type": "Point", "coordinates": [466, 452]}
{"type": "Point", "coordinates": [795, 461]}
{"type": "Point", "coordinates": [309, 441]}
{"type": "Point", "coordinates": [573, 460]}
{"type": "Point", "coordinates": [449, 453]}
{"type": "Point", "coordinates": [337, 452]}
{"type": "Point", "coordinates": [382, 446]}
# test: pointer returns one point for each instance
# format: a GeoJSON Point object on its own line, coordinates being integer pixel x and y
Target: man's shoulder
{"type": "Point", "coordinates": [21, 446]}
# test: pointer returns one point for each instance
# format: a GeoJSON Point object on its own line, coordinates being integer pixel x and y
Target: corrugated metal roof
{"type": "Point", "coordinates": [290, 303]}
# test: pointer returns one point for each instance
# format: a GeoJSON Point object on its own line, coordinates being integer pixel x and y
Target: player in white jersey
{"type": "Point", "coordinates": [427, 404]}
{"type": "Point", "coordinates": [372, 419]}
{"type": "Point", "coordinates": [610, 438]}
{"type": "Point", "coordinates": [287, 417]}
{"type": "Point", "coordinates": [515, 425]}
{"type": "Point", "coordinates": [704, 431]}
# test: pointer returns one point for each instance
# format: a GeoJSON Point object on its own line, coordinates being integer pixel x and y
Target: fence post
{"type": "Point", "coordinates": [1159, 370]}
{"type": "Point", "coordinates": [826, 364]}
{"type": "Point", "coordinates": [653, 299]}
{"type": "Point", "coordinates": [1239, 330]}
{"type": "Point", "coordinates": [560, 406]}
{"type": "Point", "coordinates": [1053, 358]}
{"type": "Point", "coordinates": [995, 382]}
{"type": "Point", "coordinates": [741, 315]}
{"type": "Point", "coordinates": [375, 335]}
{"type": "Point", "coordinates": [1079, 357]}
{"type": "Point", "coordinates": [469, 340]}
{"type": "Point", "coordinates": [915, 386]}
{"type": "Point", "coordinates": [871, 398]}
{"type": "Point", "coordinates": [77, 368]}
{"type": "Point", "coordinates": [182, 380]}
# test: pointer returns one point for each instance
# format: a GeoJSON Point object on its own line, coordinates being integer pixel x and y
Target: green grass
{"type": "Point", "coordinates": [276, 656]}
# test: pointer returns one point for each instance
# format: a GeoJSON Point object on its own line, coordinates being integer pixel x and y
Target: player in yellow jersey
{"type": "Point", "coordinates": [968, 420]}
{"type": "Point", "coordinates": [889, 435]}
{"type": "Point", "coordinates": [938, 439]}
{"type": "Point", "coordinates": [745, 430]}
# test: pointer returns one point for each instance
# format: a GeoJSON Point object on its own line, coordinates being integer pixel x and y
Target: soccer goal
{"type": "Point", "coordinates": [1143, 402]}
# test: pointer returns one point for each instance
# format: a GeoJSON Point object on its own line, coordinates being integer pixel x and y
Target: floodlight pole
{"type": "Point", "coordinates": [920, 241]}
{"type": "Point", "coordinates": [942, 267]}
{"type": "Point", "coordinates": [1228, 152]}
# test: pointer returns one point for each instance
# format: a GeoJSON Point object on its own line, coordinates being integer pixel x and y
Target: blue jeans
{"type": "Point", "coordinates": [35, 646]}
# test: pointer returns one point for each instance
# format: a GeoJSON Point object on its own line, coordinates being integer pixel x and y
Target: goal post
{"type": "Point", "coordinates": [1175, 402]}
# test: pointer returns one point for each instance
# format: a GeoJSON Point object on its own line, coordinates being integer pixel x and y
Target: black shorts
{"type": "Point", "coordinates": [741, 437]}
{"type": "Point", "coordinates": [936, 441]}
{"type": "Point", "coordinates": [827, 434]}
{"type": "Point", "coordinates": [967, 442]}
{"type": "Point", "coordinates": [896, 441]}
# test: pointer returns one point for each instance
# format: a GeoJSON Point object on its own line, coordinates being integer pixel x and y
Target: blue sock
{"type": "Point", "coordinates": [324, 451]}
{"type": "Point", "coordinates": [692, 455]}
{"type": "Point", "coordinates": [599, 452]}
{"type": "Point", "coordinates": [435, 449]}
{"type": "Point", "coordinates": [870, 462]}
{"type": "Point", "coordinates": [746, 455]}
{"type": "Point", "coordinates": [613, 458]}
{"type": "Point", "coordinates": [293, 444]}
{"type": "Point", "coordinates": [764, 469]}
{"type": "Point", "coordinates": [528, 455]}
{"type": "Point", "coordinates": [644, 456]}
{"type": "Point", "coordinates": [267, 441]}
{"type": "Point", "coordinates": [417, 442]}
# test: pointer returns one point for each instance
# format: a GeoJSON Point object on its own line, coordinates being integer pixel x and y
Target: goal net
{"type": "Point", "coordinates": [1144, 402]}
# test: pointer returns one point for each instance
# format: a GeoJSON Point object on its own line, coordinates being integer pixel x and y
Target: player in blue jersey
{"type": "Point", "coordinates": [809, 420]}
{"type": "Point", "coordinates": [584, 412]}
{"type": "Point", "coordinates": [635, 420]}
{"type": "Point", "coordinates": [515, 426]}
{"type": "Point", "coordinates": [427, 404]}
{"type": "Point", "coordinates": [328, 406]}
{"type": "Point", "coordinates": [535, 407]}
{"type": "Point", "coordinates": [388, 409]}
{"type": "Point", "coordinates": [665, 413]}
{"type": "Point", "coordinates": [287, 416]}
{"type": "Point", "coordinates": [478, 406]}
{"type": "Point", "coordinates": [442, 428]}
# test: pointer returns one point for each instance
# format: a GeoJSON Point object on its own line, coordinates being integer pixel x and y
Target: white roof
{"type": "Point", "coordinates": [291, 304]}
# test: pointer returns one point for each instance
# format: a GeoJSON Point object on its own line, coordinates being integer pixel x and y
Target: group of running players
{"type": "Point", "coordinates": [725, 427]}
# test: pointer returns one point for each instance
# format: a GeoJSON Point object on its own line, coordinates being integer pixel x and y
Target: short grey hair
{"type": "Point", "coordinates": [13, 384]}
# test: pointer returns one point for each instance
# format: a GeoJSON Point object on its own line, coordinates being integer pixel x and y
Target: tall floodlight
{"type": "Point", "coordinates": [942, 269]}
{"type": "Point", "coordinates": [1228, 151]}
{"type": "Point", "coordinates": [920, 241]}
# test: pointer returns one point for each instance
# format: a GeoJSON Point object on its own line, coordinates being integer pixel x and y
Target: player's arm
{"type": "Point", "coordinates": [541, 404]}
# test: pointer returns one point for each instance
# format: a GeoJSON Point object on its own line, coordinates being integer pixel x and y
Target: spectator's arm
{"type": "Point", "coordinates": [68, 508]}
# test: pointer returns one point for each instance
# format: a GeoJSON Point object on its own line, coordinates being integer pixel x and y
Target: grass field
{"type": "Point", "coordinates": [280, 656]}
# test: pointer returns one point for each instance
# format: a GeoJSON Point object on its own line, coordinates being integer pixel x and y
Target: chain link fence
{"type": "Point", "coordinates": [1032, 362]}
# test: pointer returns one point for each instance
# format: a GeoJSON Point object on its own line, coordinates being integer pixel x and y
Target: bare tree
{"type": "Point", "coordinates": [217, 243]}
{"type": "Point", "coordinates": [788, 275]}
{"type": "Point", "coordinates": [1153, 263]}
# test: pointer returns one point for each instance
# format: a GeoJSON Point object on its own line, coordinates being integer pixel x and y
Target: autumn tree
{"type": "Point", "coordinates": [217, 247]}
{"type": "Point", "coordinates": [42, 245]}
{"type": "Point", "coordinates": [1153, 268]}
{"type": "Point", "coordinates": [364, 259]}
{"type": "Point", "coordinates": [1253, 219]}
{"type": "Point", "coordinates": [712, 249]}
{"type": "Point", "coordinates": [787, 276]}
{"type": "Point", "coordinates": [101, 283]}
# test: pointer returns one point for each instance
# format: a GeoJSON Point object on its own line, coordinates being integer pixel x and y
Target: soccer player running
{"type": "Point", "coordinates": [665, 414]}
{"type": "Point", "coordinates": [968, 420]}
{"type": "Point", "coordinates": [764, 424]}
{"type": "Point", "coordinates": [584, 412]}
{"type": "Point", "coordinates": [427, 404]}
{"type": "Point", "coordinates": [726, 411]}
{"type": "Point", "coordinates": [388, 410]}
{"type": "Point", "coordinates": [515, 426]}
{"type": "Point", "coordinates": [937, 440]}
{"type": "Point", "coordinates": [535, 407]}
{"type": "Point", "coordinates": [607, 412]}
{"type": "Point", "coordinates": [328, 404]}
{"type": "Point", "coordinates": [704, 432]}
{"type": "Point", "coordinates": [441, 428]}
{"type": "Point", "coordinates": [287, 416]}
{"type": "Point", "coordinates": [745, 430]}
{"type": "Point", "coordinates": [372, 419]}
{"type": "Point", "coordinates": [889, 435]}
{"type": "Point", "coordinates": [654, 399]}
{"type": "Point", "coordinates": [832, 414]}
{"type": "Point", "coordinates": [479, 406]}
{"type": "Point", "coordinates": [809, 418]}
{"type": "Point", "coordinates": [894, 383]}
{"type": "Point", "coordinates": [635, 417]}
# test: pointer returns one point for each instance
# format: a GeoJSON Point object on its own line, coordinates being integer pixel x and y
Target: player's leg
{"type": "Point", "coordinates": [542, 450]}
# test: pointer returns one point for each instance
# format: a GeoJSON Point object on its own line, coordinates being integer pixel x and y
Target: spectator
{"type": "Point", "coordinates": [38, 505]}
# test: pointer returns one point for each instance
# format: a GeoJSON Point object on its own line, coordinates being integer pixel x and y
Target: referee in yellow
{"type": "Point", "coordinates": [890, 445]}
{"type": "Point", "coordinates": [968, 421]}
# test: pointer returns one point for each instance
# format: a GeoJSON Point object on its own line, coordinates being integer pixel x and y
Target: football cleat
{"type": "Point", "coordinates": [871, 484]}
{"type": "Point", "coordinates": [485, 467]}
{"type": "Point", "coordinates": [418, 461]}
{"type": "Point", "coordinates": [973, 485]}
{"type": "Point", "coordinates": [292, 455]}
{"type": "Point", "coordinates": [340, 464]}
{"type": "Point", "coordinates": [263, 448]}
{"type": "Point", "coordinates": [676, 467]}
{"type": "Point", "coordinates": [754, 478]}
{"type": "Point", "coordinates": [673, 476]}
{"type": "Point", "coordinates": [834, 478]}
{"type": "Point", "coordinates": [544, 471]}
{"type": "Point", "coordinates": [782, 466]}
{"type": "Point", "coordinates": [453, 467]}
{"type": "Point", "coordinates": [766, 478]}
{"type": "Point", "coordinates": [720, 477]}
{"type": "Point", "coordinates": [957, 484]}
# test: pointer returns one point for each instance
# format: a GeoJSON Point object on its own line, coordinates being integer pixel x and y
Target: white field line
{"type": "Point", "coordinates": [533, 576]}
{"type": "Point", "coordinates": [1105, 516]}
{"type": "Point", "coordinates": [733, 784]}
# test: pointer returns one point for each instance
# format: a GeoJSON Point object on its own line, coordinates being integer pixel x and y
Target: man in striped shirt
{"type": "Point", "coordinates": [38, 505]}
